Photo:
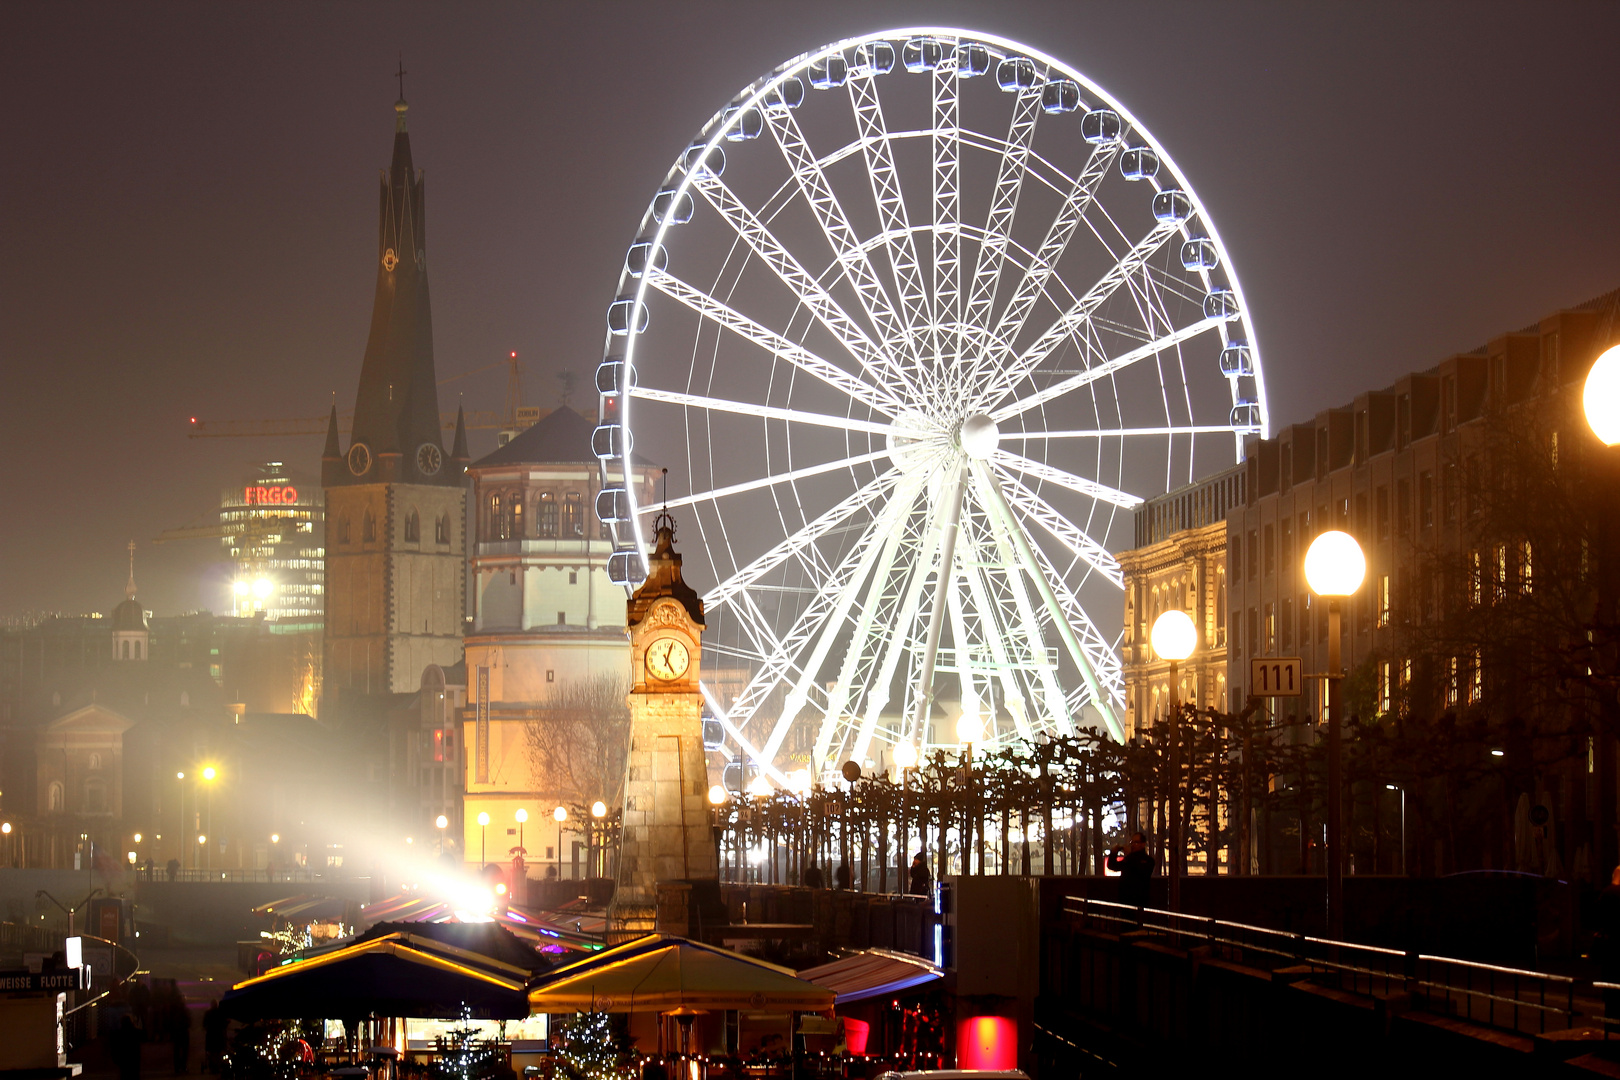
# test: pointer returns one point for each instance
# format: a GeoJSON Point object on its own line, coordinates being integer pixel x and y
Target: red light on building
{"type": "Point", "coordinates": [987, 1042]}
{"type": "Point", "coordinates": [282, 495]}
{"type": "Point", "coordinates": [856, 1034]}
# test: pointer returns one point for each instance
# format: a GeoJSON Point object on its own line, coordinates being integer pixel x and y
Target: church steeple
{"type": "Point", "coordinates": [396, 410]}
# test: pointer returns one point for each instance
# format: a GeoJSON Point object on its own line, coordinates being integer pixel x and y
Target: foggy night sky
{"type": "Point", "coordinates": [188, 207]}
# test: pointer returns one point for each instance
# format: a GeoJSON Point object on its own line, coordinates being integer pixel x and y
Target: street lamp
{"type": "Point", "coordinates": [1402, 790]}
{"type": "Point", "coordinates": [483, 837]}
{"type": "Point", "coordinates": [969, 730]}
{"type": "Point", "coordinates": [559, 815]}
{"type": "Point", "coordinates": [208, 775]}
{"type": "Point", "coordinates": [1600, 397]}
{"type": "Point", "coordinates": [522, 815]}
{"type": "Point", "coordinates": [599, 853]}
{"type": "Point", "coordinates": [1174, 637]}
{"type": "Point", "coordinates": [1334, 568]}
{"type": "Point", "coordinates": [180, 833]}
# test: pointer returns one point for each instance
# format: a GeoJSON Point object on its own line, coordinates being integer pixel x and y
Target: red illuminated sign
{"type": "Point", "coordinates": [283, 495]}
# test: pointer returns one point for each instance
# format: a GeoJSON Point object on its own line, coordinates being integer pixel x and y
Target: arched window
{"type": "Point", "coordinates": [441, 530]}
{"type": "Point", "coordinates": [546, 516]}
{"type": "Point", "coordinates": [137, 649]}
{"type": "Point", "coordinates": [54, 797]}
{"type": "Point", "coordinates": [573, 516]}
{"type": "Point", "coordinates": [368, 529]}
{"type": "Point", "coordinates": [343, 530]}
{"type": "Point", "coordinates": [517, 516]}
{"type": "Point", "coordinates": [95, 762]}
{"type": "Point", "coordinates": [413, 527]}
{"type": "Point", "coordinates": [95, 796]}
{"type": "Point", "coordinates": [497, 527]}
{"type": "Point", "coordinates": [126, 650]}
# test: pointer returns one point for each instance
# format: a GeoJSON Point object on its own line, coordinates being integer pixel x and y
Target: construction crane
{"type": "Point", "coordinates": [515, 418]}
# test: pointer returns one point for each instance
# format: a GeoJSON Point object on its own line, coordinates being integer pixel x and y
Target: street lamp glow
{"type": "Point", "coordinates": [208, 772]}
{"type": "Point", "coordinates": [179, 776]}
{"type": "Point", "coordinates": [441, 821]}
{"type": "Point", "coordinates": [132, 857]}
{"type": "Point", "coordinates": [202, 839]}
{"type": "Point", "coordinates": [558, 815]}
{"type": "Point", "coordinates": [799, 782]}
{"type": "Point", "coordinates": [483, 818]}
{"type": "Point", "coordinates": [1601, 397]}
{"type": "Point", "coordinates": [969, 728]}
{"type": "Point", "coordinates": [522, 815]}
{"type": "Point", "coordinates": [759, 787]}
{"type": "Point", "coordinates": [717, 795]}
{"type": "Point", "coordinates": [275, 838]}
{"type": "Point", "coordinates": [5, 828]}
{"type": "Point", "coordinates": [598, 809]}
{"type": "Point", "coordinates": [905, 755]}
{"type": "Point", "coordinates": [261, 588]}
{"type": "Point", "coordinates": [1174, 637]}
{"type": "Point", "coordinates": [1334, 565]}
{"type": "Point", "coordinates": [137, 838]}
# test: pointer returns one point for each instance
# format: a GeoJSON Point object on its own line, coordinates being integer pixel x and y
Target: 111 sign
{"type": "Point", "coordinates": [1276, 676]}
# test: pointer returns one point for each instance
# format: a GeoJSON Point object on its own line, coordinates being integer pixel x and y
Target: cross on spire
{"type": "Point", "coordinates": [129, 590]}
{"type": "Point", "coordinates": [400, 75]}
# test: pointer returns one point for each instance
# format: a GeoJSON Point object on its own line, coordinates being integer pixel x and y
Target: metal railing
{"type": "Point", "coordinates": [1509, 999]}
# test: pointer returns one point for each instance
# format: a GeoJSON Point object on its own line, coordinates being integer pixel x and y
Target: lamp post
{"type": "Point", "coordinates": [717, 799]}
{"type": "Point", "coordinates": [905, 759]}
{"type": "Point", "coordinates": [1402, 790]}
{"type": "Point", "coordinates": [5, 830]}
{"type": "Point", "coordinates": [440, 823]}
{"type": "Point", "coordinates": [483, 838]}
{"type": "Point", "coordinates": [1600, 397]}
{"type": "Point", "coordinates": [180, 833]}
{"type": "Point", "coordinates": [1334, 569]}
{"type": "Point", "coordinates": [522, 815]}
{"type": "Point", "coordinates": [559, 815]}
{"type": "Point", "coordinates": [1174, 637]}
{"type": "Point", "coordinates": [208, 775]}
{"type": "Point", "coordinates": [969, 730]}
{"type": "Point", "coordinates": [599, 811]}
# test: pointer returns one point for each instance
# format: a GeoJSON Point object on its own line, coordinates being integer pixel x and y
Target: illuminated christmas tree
{"type": "Point", "coordinates": [590, 1047]}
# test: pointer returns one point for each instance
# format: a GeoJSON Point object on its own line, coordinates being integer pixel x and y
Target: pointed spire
{"type": "Point", "coordinates": [129, 590]}
{"type": "Point", "coordinates": [458, 449]}
{"type": "Point", "coordinates": [334, 449]}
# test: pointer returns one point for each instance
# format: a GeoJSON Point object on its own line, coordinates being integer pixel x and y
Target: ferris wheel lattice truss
{"type": "Point", "coordinates": [923, 312]}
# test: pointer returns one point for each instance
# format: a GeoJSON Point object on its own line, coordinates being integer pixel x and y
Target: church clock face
{"type": "Point", "coordinates": [428, 459]}
{"type": "Point", "coordinates": [667, 659]}
{"type": "Point", "coordinates": [359, 458]}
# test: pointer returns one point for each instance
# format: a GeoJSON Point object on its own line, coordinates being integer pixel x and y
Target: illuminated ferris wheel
{"type": "Point", "coordinates": [917, 320]}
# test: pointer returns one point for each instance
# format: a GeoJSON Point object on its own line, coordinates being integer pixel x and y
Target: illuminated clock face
{"type": "Point", "coordinates": [428, 459]}
{"type": "Point", "coordinates": [359, 458]}
{"type": "Point", "coordinates": [667, 659]}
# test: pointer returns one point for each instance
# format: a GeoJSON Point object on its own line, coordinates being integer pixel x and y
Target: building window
{"type": "Point", "coordinates": [1286, 545]}
{"type": "Point", "coordinates": [500, 526]}
{"type": "Point", "coordinates": [573, 516]}
{"type": "Point", "coordinates": [1449, 493]}
{"type": "Point", "coordinates": [1381, 509]}
{"type": "Point", "coordinates": [1451, 680]}
{"type": "Point", "coordinates": [546, 518]}
{"type": "Point", "coordinates": [1271, 549]}
{"type": "Point", "coordinates": [126, 651]}
{"type": "Point", "coordinates": [1403, 507]}
{"type": "Point", "coordinates": [1476, 579]}
{"type": "Point", "coordinates": [1525, 567]}
{"type": "Point", "coordinates": [54, 797]}
{"type": "Point", "coordinates": [1384, 687]}
{"type": "Point", "coordinates": [1237, 557]}
{"type": "Point", "coordinates": [95, 796]}
{"type": "Point", "coordinates": [562, 618]}
{"type": "Point", "coordinates": [1476, 679]}
{"type": "Point", "coordinates": [517, 517]}
{"type": "Point", "coordinates": [1426, 499]}
{"type": "Point", "coordinates": [1254, 554]}
{"type": "Point", "coordinates": [551, 675]}
{"type": "Point", "coordinates": [413, 527]}
{"type": "Point", "coordinates": [1220, 607]}
{"type": "Point", "coordinates": [368, 529]}
{"type": "Point", "coordinates": [1271, 628]}
{"type": "Point", "coordinates": [343, 530]}
{"type": "Point", "coordinates": [573, 577]}
{"type": "Point", "coordinates": [1383, 600]}
{"type": "Point", "coordinates": [441, 530]}
{"type": "Point", "coordinates": [1254, 631]}
{"type": "Point", "coordinates": [1286, 612]}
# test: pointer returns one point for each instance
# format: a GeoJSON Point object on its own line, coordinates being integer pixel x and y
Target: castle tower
{"type": "Point", "coordinates": [132, 640]}
{"type": "Point", "coordinates": [395, 540]}
{"type": "Point", "coordinates": [665, 833]}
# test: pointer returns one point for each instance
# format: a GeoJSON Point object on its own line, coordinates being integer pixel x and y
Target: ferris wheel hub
{"type": "Point", "coordinates": [978, 436]}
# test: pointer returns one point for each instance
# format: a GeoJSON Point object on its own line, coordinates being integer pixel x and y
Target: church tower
{"type": "Point", "coordinates": [395, 541]}
{"type": "Point", "coordinates": [665, 834]}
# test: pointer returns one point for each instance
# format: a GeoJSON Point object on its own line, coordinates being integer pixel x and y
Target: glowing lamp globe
{"type": "Point", "coordinates": [970, 728]}
{"type": "Point", "coordinates": [441, 821]}
{"type": "Point", "coordinates": [598, 808]}
{"type": "Point", "coordinates": [759, 787]}
{"type": "Point", "coordinates": [560, 814]}
{"type": "Point", "coordinates": [1174, 637]}
{"type": "Point", "coordinates": [1334, 565]}
{"type": "Point", "coordinates": [6, 828]}
{"type": "Point", "coordinates": [717, 795]}
{"type": "Point", "coordinates": [209, 773]}
{"type": "Point", "coordinates": [905, 755]}
{"type": "Point", "coordinates": [483, 818]}
{"type": "Point", "coordinates": [522, 815]}
{"type": "Point", "coordinates": [1601, 397]}
{"type": "Point", "coordinates": [137, 838]}
{"type": "Point", "coordinates": [275, 838]}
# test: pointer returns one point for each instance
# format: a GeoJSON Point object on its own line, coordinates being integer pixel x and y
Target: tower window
{"type": "Point", "coordinates": [497, 527]}
{"type": "Point", "coordinates": [368, 529]}
{"type": "Point", "coordinates": [517, 517]}
{"type": "Point", "coordinates": [562, 618]}
{"type": "Point", "coordinates": [441, 530]}
{"type": "Point", "coordinates": [573, 515]}
{"type": "Point", "coordinates": [413, 527]}
{"type": "Point", "coordinates": [546, 525]}
{"type": "Point", "coordinates": [343, 530]}
{"type": "Point", "coordinates": [573, 577]}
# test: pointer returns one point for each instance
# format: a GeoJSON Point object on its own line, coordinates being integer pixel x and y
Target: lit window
{"type": "Point", "coordinates": [413, 527]}
{"type": "Point", "coordinates": [546, 519]}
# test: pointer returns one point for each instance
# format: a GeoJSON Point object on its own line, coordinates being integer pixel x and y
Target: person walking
{"type": "Point", "coordinates": [842, 877]}
{"type": "Point", "coordinates": [1134, 868]}
{"type": "Point", "coordinates": [812, 877]}
{"type": "Point", "coordinates": [922, 879]}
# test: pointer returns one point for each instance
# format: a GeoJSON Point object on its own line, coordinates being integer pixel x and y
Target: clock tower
{"type": "Point", "coordinates": [666, 833]}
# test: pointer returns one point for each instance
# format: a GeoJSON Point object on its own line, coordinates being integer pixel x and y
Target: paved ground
{"type": "Point", "coordinates": [203, 975]}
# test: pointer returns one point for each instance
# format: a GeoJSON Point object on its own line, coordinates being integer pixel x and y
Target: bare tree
{"type": "Point", "coordinates": [578, 741]}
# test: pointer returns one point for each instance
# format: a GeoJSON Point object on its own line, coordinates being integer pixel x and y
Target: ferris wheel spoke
{"type": "Point", "coordinates": [891, 206]}
{"type": "Point", "coordinates": [1078, 314]}
{"type": "Point", "coordinates": [1007, 460]}
{"type": "Point", "coordinates": [792, 475]}
{"type": "Point", "coordinates": [991, 622]}
{"type": "Point", "coordinates": [1064, 531]}
{"type": "Point", "coordinates": [1112, 433]}
{"type": "Point", "coordinates": [947, 145]}
{"type": "Point", "coordinates": [1003, 205]}
{"type": "Point", "coordinates": [799, 281]}
{"type": "Point", "coordinates": [1105, 369]}
{"type": "Point", "coordinates": [743, 742]}
{"type": "Point", "coordinates": [991, 494]}
{"type": "Point", "coordinates": [785, 549]}
{"type": "Point", "coordinates": [764, 412]}
{"type": "Point", "coordinates": [722, 314]}
{"type": "Point", "coordinates": [1044, 264]}
{"type": "Point", "coordinates": [1102, 654]}
{"type": "Point", "coordinates": [808, 172]}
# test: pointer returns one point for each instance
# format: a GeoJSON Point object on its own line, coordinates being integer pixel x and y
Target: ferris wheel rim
{"type": "Point", "coordinates": [681, 180]}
